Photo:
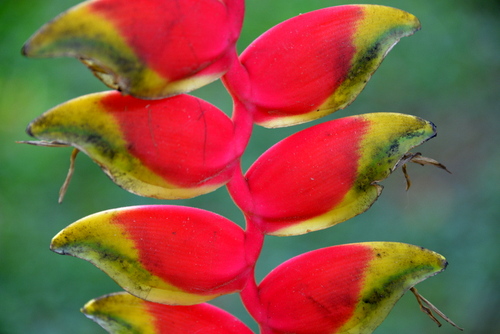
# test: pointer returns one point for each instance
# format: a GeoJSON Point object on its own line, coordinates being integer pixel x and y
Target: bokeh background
{"type": "Point", "coordinates": [448, 73]}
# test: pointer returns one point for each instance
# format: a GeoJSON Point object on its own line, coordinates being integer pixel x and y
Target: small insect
{"type": "Point", "coordinates": [427, 308]}
{"type": "Point", "coordinates": [418, 159]}
{"type": "Point", "coordinates": [72, 158]}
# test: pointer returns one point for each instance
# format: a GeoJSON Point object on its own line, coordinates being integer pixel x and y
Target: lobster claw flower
{"type": "Point", "coordinates": [328, 173]}
{"type": "Point", "coordinates": [343, 289]}
{"type": "Point", "coordinates": [146, 48]}
{"type": "Point", "coordinates": [166, 254]}
{"type": "Point", "coordinates": [172, 148]}
{"type": "Point", "coordinates": [316, 63]}
{"type": "Point", "coordinates": [123, 313]}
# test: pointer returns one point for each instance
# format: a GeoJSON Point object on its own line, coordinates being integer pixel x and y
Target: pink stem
{"type": "Point", "coordinates": [250, 293]}
{"type": "Point", "coordinates": [239, 191]}
{"type": "Point", "coordinates": [237, 81]}
{"type": "Point", "coordinates": [238, 85]}
{"type": "Point", "coordinates": [254, 240]}
{"type": "Point", "coordinates": [243, 124]}
{"type": "Point", "coordinates": [250, 298]}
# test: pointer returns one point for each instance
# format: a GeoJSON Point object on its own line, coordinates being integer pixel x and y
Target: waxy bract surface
{"type": "Point", "coordinates": [173, 148]}
{"type": "Point", "coordinates": [328, 173]}
{"type": "Point", "coordinates": [343, 289]}
{"type": "Point", "coordinates": [121, 313]}
{"type": "Point", "coordinates": [166, 254]}
{"type": "Point", "coordinates": [146, 48]}
{"type": "Point", "coordinates": [316, 63]}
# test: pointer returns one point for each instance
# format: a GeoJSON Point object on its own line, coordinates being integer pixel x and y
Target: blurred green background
{"type": "Point", "coordinates": [448, 73]}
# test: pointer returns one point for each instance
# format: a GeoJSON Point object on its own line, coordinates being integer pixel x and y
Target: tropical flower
{"type": "Point", "coordinates": [154, 140]}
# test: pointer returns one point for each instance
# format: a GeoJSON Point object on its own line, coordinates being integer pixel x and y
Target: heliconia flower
{"type": "Point", "coordinates": [179, 147]}
{"type": "Point", "coordinates": [146, 48]}
{"type": "Point", "coordinates": [343, 289]}
{"type": "Point", "coordinates": [316, 63]}
{"type": "Point", "coordinates": [328, 173]}
{"type": "Point", "coordinates": [167, 254]}
{"type": "Point", "coordinates": [122, 313]}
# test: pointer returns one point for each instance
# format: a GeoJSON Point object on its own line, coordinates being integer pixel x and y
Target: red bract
{"type": "Point", "coordinates": [172, 148]}
{"type": "Point", "coordinates": [342, 289]}
{"type": "Point", "coordinates": [327, 173]}
{"type": "Point", "coordinates": [167, 254]}
{"type": "Point", "coordinates": [146, 48]}
{"type": "Point", "coordinates": [124, 313]}
{"type": "Point", "coordinates": [318, 62]}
